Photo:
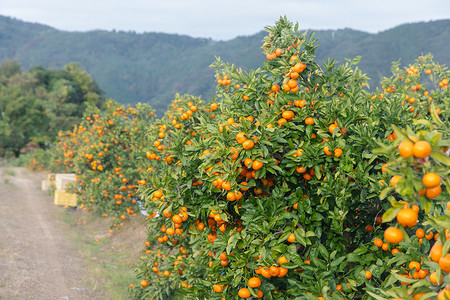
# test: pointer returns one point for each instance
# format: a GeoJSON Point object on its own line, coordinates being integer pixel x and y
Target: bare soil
{"type": "Point", "coordinates": [38, 260]}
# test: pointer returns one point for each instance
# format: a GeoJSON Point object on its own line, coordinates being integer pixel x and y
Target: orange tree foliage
{"type": "Point", "coordinates": [105, 152]}
{"type": "Point", "coordinates": [283, 175]}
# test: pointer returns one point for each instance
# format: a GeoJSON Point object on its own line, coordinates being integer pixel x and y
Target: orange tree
{"type": "Point", "coordinates": [275, 179]}
{"type": "Point", "coordinates": [105, 153]}
{"type": "Point", "coordinates": [170, 172]}
{"type": "Point", "coordinates": [416, 244]}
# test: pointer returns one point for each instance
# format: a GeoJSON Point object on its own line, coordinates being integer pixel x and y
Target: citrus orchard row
{"type": "Point", "coordinates": [105, 151]}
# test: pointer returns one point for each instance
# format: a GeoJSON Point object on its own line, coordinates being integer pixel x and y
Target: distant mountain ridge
{"type": "Point", "coordinates": [151, 67]}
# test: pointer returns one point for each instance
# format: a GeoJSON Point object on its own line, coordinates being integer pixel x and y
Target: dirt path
{"type": "Point", "coordinates": [36, 260]}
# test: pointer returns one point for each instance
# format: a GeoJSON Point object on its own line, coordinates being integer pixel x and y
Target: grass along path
{"type": "Point", "coordinates": [109, 261]}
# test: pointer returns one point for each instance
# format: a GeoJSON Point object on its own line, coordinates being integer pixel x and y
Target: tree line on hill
{"type": "Point", "coordinates": [36, 105]}
{"type": "Point", "coordinates": [151, 67]}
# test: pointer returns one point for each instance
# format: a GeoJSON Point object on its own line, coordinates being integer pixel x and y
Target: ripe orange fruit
{"type": "Point", "coordinates": [244, 293]}
{"type": "Point", "coordinates": [299, 67]}
{"type": "Point", "coordinates": [331, 128]}
{"type": "Point", "coordinates": [248, 161]}
{"type": "Point", "coordinates": [288, 115]}
{"type": "Point", "coordinates": [394, 251]}
{"type": "Point", "coordinates": [291, 238]}
{"type": "Point", "coordinates": [407, 217]}
{"type": "Point", "coordinates": [257, 165]}
{"type": "Point", "coordinates": [338, 152]}
{"type": "Point", "coordinates": [421, 149]}
{"type": "Point", "coordinates": [231, 196]}
{"type": "Point", "coordinates": [406, 149]}
{"type": "Point", "coordinates": [300, 103]}
{"type": "Point", "coordinates": [429, 235]}
{"type": "Point", "coordinates": [218, 288]}
{"type": "Point", "coordinates": [327, 151]}
{"type": "Point", "coordinates": [395, 179]}
{"type": "Point", "coordinates": [177, 219]}
{"type": "Point", "coordinates": [260, 294]}
{"type": "Point", "coordinates": [444, 263]}
{"type": "Point", "coordinates": [265, 272]}
{"type": "Point", "coordinates": [254, 282]}
{"type": "Point", "coordinates": [420, 233]}
{"type": "Point", "coordinates": [283, 272]}
{"type": "Point", "coordinates": [436, 252]}
{"type": "Point", "coordinates": [282, 260]}
{"type": "Point", "coordinates": [144, 283]}
{"type": "Point", "coordinates": [414, 265]}
{"type": "Point", "coordinates": [431, 180]}
{"type": "Point", "coordinates": [292, 83]}
{"type": "Point", "coordinates": [170, 231]}
{"type": "Point", "coordinates": [378, 242]}
{"type": "Point", "coordinates": [240, 137]}
{"type": "Point", "coordinates": [433, 278]}
{"type": "Point", "coordinates": [432, 193]}
{"type": "Point", "coordinates": [309, 121]}
{"type": "Point", "coordinates": [248, 144]}
{"type": "Point", "coordinates": [158, 194]}
{"type": "Point", "coordinates": [444, 294]}
{"type": "Point", "coordinates": [274, 271]}
{"type": "Point", "coordinates": [234, 153]}
{"type": "Point", "coordinates": [368, 274]}
{"type": "Point", "coordinates": [423, 273]}
{"type": "Point", "coordinates": [393, 235]}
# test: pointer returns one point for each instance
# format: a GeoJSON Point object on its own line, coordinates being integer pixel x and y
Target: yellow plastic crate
{"type": "Point", "coordinates": [61, 180]}
{"type": "Point", "coordinates": [51, 177]}
{"type": "Point", "coordinates": [45, 185]}
{"type": "Point", "coordinates": [64, 198]}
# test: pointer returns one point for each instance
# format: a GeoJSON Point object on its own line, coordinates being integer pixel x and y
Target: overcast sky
{"type": "Point", "coordinates": [225, 19]}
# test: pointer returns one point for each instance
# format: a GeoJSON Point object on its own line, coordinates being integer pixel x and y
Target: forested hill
{"type": "Point", "coordinates": [151, 67]}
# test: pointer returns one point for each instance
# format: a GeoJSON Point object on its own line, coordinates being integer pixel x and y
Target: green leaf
{"type": "Point", "coordinates": [426, 204]}
{"type": "Point", "coordinates": [443, 221]}
{"type": "Point", "coordinates": [402, 278]}
{"type": "Point", "coordinates": [324, 251]}
{"type": "Point", "coordinates": [376, 296]}
{"type": "Point", "coordinates": [423, 122]}
{"type": "Point", "coordinates": [446, 247]}
{"type": "Point", "coordinates": [435, 116]}
{"type": "Point", "coordinates": [310, 234]}
{"type": "Point", "coordinates": [356, 60]}
{"type": "Point", "coordinates": [385, 192]}
{"type": "Point", "coordinates": [290, 265]}
{"type": "Point", "coordinates": [399, 132]}
{"type": "Point", "coordinates": [351, 257]}
{"type": "Point", "coordinates": [390, 214]}
{"type": "Point", "coordinates": [337, 262]}
{"type": "Point", "coordinates": [440, 157]}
